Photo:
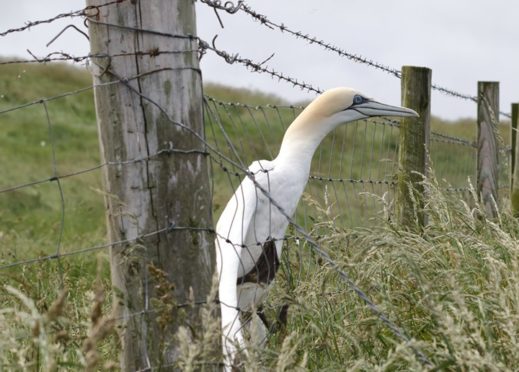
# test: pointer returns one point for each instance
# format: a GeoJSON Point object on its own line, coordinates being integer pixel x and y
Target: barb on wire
{"type": "Point", "coordinates": [228, 6]}
{"type": "Point", "coordinates": [77, 13]}
{"type": "Point", "coordinates": [457, 189]}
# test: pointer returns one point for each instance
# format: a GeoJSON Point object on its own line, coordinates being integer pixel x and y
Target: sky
{"type": "Point", "coordinates": [462, 41]}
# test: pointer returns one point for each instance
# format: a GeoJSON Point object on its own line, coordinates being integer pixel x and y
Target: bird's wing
{"type": "Point", "coordinates": [231, 231]}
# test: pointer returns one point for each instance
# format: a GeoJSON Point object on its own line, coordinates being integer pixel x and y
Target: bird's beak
{"type": "Point", "coordinates": [373, 108]}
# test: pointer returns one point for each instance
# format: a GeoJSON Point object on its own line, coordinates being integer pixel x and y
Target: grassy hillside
{"type": "Point", "coordinates": [452, 288]}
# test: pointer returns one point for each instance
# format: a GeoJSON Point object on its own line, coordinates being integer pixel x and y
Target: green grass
{"type": "Point", "coordinates": [453, 288]}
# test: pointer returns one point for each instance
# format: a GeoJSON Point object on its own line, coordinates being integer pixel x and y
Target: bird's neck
{"type": "Point", "coordinates": [302, 139]}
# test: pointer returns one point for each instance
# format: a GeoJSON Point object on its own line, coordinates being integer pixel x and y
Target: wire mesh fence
{"type": "Point", "coordinates": [52, 201]}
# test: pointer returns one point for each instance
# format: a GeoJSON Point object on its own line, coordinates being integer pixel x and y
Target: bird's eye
{"type": "Point", "coordinates": [357, 100]}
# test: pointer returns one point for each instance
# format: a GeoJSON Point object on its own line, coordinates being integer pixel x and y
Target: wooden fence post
{"type": "Point", "coordinates": [514, 160]}
{"type": "Point", "coordinates": [157, 186]}
{"type": "Point", "coordinates": [488, 150]}
{"type": "Point", "coordinates": [414, 146]}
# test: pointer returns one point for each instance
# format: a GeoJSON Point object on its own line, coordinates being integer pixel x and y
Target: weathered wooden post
{"type": "Point", "coordinates": [488, 156]}
{"type": "Point", "coordinates": [514, 160]}
{"type": "Point", "coordinates": [157, 186]}
{"type": "Point", "coordinates": [414, 146]}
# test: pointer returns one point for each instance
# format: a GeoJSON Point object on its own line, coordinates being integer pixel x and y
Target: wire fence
{"type": "Point", "coordinates": [352, 167]}
{"type": "Point", "coordinates": [58, 192]}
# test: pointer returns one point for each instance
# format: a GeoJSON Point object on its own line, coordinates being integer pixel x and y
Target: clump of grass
{"type": "Point", "coordinates": [46, 328]}
{"type": "Point", "coordinates": [200, 348]}
{"type": "Point", "coordinates": [101, 326]}
{"type": "Point", "coordinates": [453, 288]}
{"type": "Point", "coordinates": [43, 345]}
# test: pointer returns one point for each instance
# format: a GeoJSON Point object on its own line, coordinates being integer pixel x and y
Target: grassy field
{"type": "Point", "coordinates": [453, 289]}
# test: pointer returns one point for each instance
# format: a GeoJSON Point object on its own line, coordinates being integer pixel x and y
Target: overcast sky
{"type": "Point", "coordinates": [463, 41]}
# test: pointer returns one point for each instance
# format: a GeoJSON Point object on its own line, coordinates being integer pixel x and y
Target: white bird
{"type": "Point", "coordinates": [250, 229]}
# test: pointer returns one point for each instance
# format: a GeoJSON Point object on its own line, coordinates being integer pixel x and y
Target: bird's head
{"type": "Point", "coordinates": [346, 104]}
{"type": "Point", "coordinates": [331, 109]}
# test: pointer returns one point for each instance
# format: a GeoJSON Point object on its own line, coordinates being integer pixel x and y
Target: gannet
{"type": "Point", "coordinates": [250, 230]}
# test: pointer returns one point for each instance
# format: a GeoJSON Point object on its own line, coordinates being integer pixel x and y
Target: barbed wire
{"type": "Point", "coordinates": [354, 181]}
{"type": "Point", "coordinates": [91, 13]}
{"type": "Point", "coordinates": [266, 21]}
{"type": "Point", "coordinates": [202, 45]}
{"type": "Point", "coordinates": [445, 138]}
{"type": "Point", "coordinates": [232, 58]}
{"type": "Point", "coordinates": [256, 66]}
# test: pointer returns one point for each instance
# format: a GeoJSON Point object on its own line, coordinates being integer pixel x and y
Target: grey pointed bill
{"type": "Point", "coordinates": [373, 108]}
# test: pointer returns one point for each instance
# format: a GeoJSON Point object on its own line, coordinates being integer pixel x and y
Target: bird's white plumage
{"type": "Point", "coordinates": [250, 218]}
